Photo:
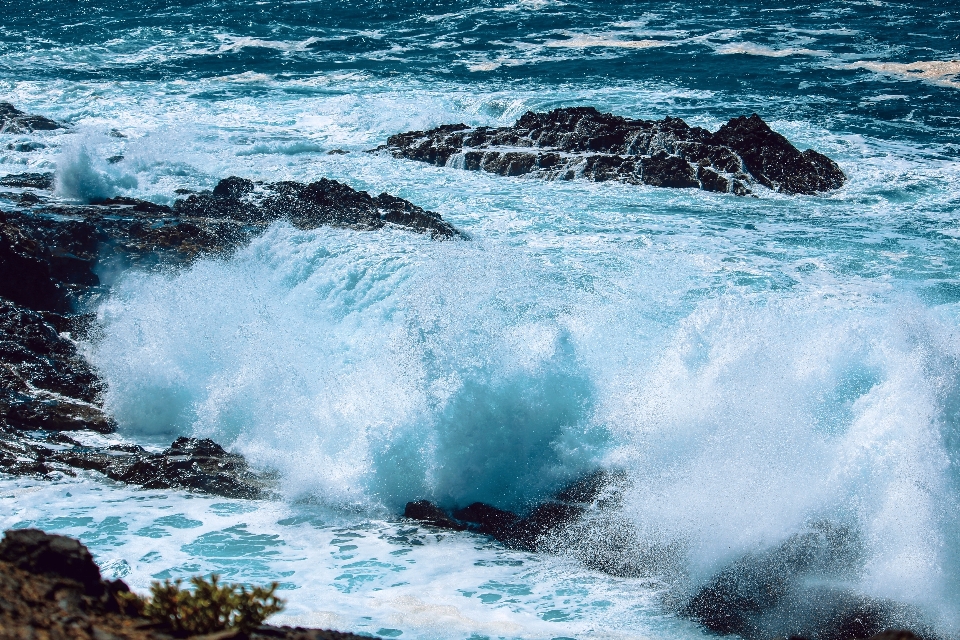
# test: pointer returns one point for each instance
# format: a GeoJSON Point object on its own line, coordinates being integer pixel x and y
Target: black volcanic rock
{"type": "Point", "coordinates": [429, 513]}
{"type": "Point", "coordinates": [796, 589]}
{"type": "Point", "coordinates": [195, 465]}
{"type": "Point", "coordinates": [306, 206]}
{"type": "Point", "coordinates": [51, 555]}
{"type": "Point", "coordinates": [529, 532]}
{"type": "Point", "coordinates": [582, 142]}
{"type": "Point", "coordinates": [12, 120]}
{"type": "Point", "coordinates": [28, 180]}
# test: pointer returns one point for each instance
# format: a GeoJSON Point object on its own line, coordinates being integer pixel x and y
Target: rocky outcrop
{"type": "Point", "coordinates": [50, 253]}
{"type": "Point", "coordinates": [581, 142]}
{"type": "Point", "coordinates": [321, 203]}
{"type": "Point", "coordinates": [797, 590]}
{"type": "Point", "coordinates": [51, 589]}
{"type": "Point", "coordinates": [12, 120]}
{"type": "Point", "coordinates": [533, 531]}
{"type": "Point", "coordinates": [189, 463]}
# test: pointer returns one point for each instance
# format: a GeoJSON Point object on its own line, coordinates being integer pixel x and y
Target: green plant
{"type": "Point", "coordinates": [210, 606]}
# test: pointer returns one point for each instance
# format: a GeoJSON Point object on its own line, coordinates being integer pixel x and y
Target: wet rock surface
{"type": "Point", "coordinates": [189, 463]}
{"type": "Point", "coordinates": [533, 531]}
{"type": "Point", "coordinates": [12, 120]}
{"type": "Point", "coordinates": [50, 254]}
{"type": "Point", "coordinates": [581, 142]}
{"type": "Point", "coordinates": [51, 588]}
{"type": "Point", "coordinates": [796, 589]}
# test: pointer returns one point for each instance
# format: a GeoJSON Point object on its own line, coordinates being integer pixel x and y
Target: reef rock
{"type": "Point", "coordinates": [12, 120]}
{"type": "Point", "coordinates": [320, 203]}
{"type": "Point", "coordinates": [581, 142]}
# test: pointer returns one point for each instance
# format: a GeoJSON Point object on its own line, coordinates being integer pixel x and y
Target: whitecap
{"type": "Point", "coordinates": [945, 73]}
{"type": "Point", "coordinates": [751, 49]}
{"type": "Point", "coordinates": [586, 41]}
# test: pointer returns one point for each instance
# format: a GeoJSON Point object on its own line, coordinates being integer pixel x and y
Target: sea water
{"type": "Point", "coordinates": [753, 366]}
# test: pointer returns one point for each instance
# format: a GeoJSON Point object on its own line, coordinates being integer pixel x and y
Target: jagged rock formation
{"type": "Point", "coordinates": [12, 120]}
{"type": "Point", "coordinates": [581, 142]}
{"type": "Point", "coordinates": [51, 589]}
{"type": "Point", "coordinates": [49, 255]}
{"type": "Point", "coordinates": [189, 463]}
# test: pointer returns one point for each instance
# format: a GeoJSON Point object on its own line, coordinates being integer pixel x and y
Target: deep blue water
{"type": "Point", "coordinates": [755, 366]}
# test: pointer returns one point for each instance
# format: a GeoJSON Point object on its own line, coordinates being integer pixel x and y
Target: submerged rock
{"type": "Point", "coordinates": [12, 120]}
{"type": "Point", "coordinates": [581, 142]}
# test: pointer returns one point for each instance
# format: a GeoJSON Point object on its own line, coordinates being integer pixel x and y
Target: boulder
{"type": "Point", "coordinates": [40, 553]}
{"type": "Point", "coordinates": [796, 589]}
{"type": "Point", "coordinates": [583, 142]}
{"type": "Point", "coordinates": [12, 120]}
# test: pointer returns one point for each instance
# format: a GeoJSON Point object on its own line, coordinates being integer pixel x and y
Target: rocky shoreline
{"type": "Point", "coordinates": [50, 254]}
{"type": "Point", "coordinates": [51, 589]}
{"type": "Point", "coordinates": [581, 142]}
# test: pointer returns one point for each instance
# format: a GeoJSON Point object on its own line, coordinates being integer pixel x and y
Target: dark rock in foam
{"type": "Point", "coordinates": [582, 142]}
{"type": "Point", "coordinates": [12, 120]}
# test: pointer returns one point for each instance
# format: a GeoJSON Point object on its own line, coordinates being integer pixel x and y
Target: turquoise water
{"type": "Point", "coordinates": [754, 365]}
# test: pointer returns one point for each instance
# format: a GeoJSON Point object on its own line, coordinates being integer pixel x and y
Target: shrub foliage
{"type": "Point", "coordinates": [210, 606]}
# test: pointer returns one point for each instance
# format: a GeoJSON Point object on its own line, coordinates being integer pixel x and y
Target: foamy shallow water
{"type": "Point", "coordinates": [341, 570]}
{"type": "Point", "coordinates": [754, 365]}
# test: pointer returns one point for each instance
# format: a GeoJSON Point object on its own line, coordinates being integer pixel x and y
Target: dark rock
{"type": "Point", "coordinates": [25, 270]}
{"type": "Point", "coordinates": [45, 383]}
{"type": "Point", "coordinates": [664, 170]}
{"type": "Point", "coordinates": [582, 142]}
{"type": "Point", "coordinates": [787, 591]}
{"type": "Point", "coordinates": [12, 120]}
{"type": "Point", "coordinates": [26, 147]}
{"type": "Point", "coordinates": [114, 159]}
{"type": "Point", "coordinates": [233, 187]}
{"type": "Point", "coordinates": [431, 514]}
{"type": "Point", "coordinates": [306, 206]}
{"type": "Point", "coordinates": [776, 163]}
{"type": "Point", "coordinates": [51, 555]}
{"type": "Point", "coordinates": [195, 465]}
{"type": "Point", "coordinates": [528, 532]}
{"type": "Point", "coordinates": [28, 180]}
{"type": "Point", "coordinates": [490, 520]}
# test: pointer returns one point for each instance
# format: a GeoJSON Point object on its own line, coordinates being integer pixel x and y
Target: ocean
{"type": "Point", "coordinates": [755, 367]}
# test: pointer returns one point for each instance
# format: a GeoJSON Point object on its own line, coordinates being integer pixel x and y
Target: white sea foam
{"type": "Point", "coordinates": [945, 73]}
{"type": "Point", "coordinates": [752, 49]}
{"type": "Point", "coordinates": [583, 41]}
